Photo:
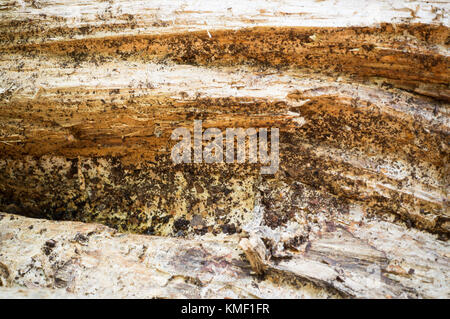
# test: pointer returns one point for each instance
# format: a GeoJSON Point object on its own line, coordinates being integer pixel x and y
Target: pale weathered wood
{"type": "Point", "coordinates": [90, 260]}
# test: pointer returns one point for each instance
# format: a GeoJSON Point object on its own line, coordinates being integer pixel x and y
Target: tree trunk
{"type": "Point", "coordinates": [90, 93]}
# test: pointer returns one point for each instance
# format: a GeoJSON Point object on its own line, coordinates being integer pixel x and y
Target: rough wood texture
{"type": "Point", "coordinates": [89, 260]}
{"type": "Point", "coordinates": [91, 91]}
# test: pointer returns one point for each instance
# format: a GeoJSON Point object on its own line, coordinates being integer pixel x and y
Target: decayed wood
{"type": "Point", "coordinates": [90, 94]}
{"type": "Point", "coordinates": [90, 260]}
{"type": "Point", "coordinates": [56, 20]}
{"type": "Point", "coordinates": [380, 149]}
{"type": "Point", "coordinates": [256, 252]}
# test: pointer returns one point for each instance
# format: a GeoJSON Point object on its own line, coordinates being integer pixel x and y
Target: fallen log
{"type": "Point", "coordinates": [90, 95]}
